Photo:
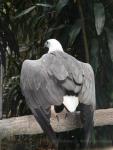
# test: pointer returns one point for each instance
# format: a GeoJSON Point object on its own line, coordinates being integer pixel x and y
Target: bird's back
{"type": "Point", "coordinates": [53, 76]}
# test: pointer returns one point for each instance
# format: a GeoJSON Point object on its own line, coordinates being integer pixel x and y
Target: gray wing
{"type": "Point", "coordinates": [74, 77]}
{"type": "Point", "coordinates": [67, 71]}
{"type": "Point", "coordinates": [34, 87]}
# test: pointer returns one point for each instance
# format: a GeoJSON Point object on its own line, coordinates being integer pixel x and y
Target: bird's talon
{"type": "Point", "coordinates": [57, 118]}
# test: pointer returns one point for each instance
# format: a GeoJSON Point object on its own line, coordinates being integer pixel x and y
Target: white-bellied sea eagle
{"type": "Point", "coordinates": [60, 80]}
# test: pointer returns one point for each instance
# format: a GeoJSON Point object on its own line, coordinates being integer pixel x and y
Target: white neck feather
{"type": "Point", "coordinates": [52, 50]}
{"type": "Point", "coordinates": [54, 45]}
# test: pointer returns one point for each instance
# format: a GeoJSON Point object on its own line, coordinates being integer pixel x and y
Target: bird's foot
{"type": "Point", "coordinates": [57, 118]}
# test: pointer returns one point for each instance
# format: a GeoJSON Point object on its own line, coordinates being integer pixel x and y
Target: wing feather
{"type": "Point", "coordinates": [67, 72]}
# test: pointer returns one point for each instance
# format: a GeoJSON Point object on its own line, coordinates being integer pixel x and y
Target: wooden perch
{"type": "Point", "coordinates": [28, 124]}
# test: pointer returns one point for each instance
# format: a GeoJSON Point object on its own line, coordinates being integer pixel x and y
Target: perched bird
{"type": "Point", "coordinates": [60, 80]}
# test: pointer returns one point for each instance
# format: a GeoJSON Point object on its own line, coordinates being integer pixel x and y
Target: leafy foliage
{"type": "Point", "coordinates": [99, 17]}
{"type": "Point", "coordinates": [75, 29]}
{"type": "Point", "coordinates": [31, 8]}
{"type": "Point", "coordinates": [60, 5]}
{"type": "Point", "coordinates": [8, 43]}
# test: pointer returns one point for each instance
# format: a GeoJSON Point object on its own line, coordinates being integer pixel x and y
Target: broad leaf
{"type": "Point", "coordinates": [94, 54]}
{"type": "Point", "coordinates": [99, 14]}
{"type": "Point", "coordinates": [60, 5]}
{"type": "Point", "coordinates": [44, 5]}
{"type": "Point", "coordinates": [75, 30]}
{"type": "Point", "coordinates": [26, 11]}
{"type": "Point", "coordinates": [110, 41]}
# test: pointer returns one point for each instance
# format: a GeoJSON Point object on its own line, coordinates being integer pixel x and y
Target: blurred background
{"type": "Point", "coordinates": [85, 30]}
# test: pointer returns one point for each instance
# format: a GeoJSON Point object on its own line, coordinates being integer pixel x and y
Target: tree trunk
{"type": "Point", "coordinates": [1, 82]}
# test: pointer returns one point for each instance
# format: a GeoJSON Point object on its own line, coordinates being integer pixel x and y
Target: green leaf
{"type": "Point", "coordinates": [60, 5]}
{"type": "Point", "coordinates": [44, 5]}
{"type": "Point", "coordinates": [26, 11]}
{"type": "Point", "coordinates": [75, 30]}
{"type": "Point", "coordinates": [109, 33]}
{"type": "Point", "coordinates": [56, 28]}
{"type": "Point", "coordinates": [94, 54]}
{"type": "Point", "coordinates": [99, 14]}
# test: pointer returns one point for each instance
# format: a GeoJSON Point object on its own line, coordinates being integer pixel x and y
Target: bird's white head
{"type": "Point", "coordinates": [53, 45]}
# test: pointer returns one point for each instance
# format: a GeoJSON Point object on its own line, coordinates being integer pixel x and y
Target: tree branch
{"type": "Point", "coordinates": [28, 124]}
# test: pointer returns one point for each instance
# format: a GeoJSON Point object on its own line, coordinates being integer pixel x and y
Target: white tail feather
{"type": "Point", "coordinates": [70, 102]}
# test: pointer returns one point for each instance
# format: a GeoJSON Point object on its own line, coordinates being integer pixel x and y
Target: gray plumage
{"type": "Point", "coordinates": [44, 82]}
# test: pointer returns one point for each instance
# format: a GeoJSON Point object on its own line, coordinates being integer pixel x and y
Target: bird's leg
{"type": "Point", "coordinates": [86, 115]}
{"type": "Point", "coordinates": [58, 109]}
{"type": "Point", "coordinates": [53, 109]}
